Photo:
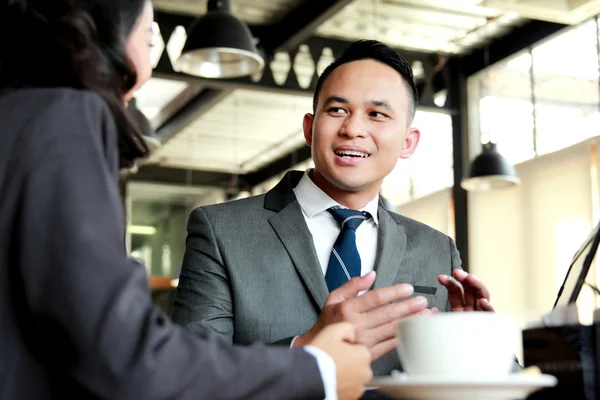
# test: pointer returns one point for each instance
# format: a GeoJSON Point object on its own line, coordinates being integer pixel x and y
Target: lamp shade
{"type": "Point", "coordinates": [490, 170]}
{"type": "Point", "coordinates": [219, 46]}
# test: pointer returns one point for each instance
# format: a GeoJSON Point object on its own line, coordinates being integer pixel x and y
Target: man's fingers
{"type": "Point", "coordinates": [470, 298]}
{"type": "Point", "coordinates": [456, 292]}
{"type": "Point", "coordinates": [378, 297]}
{"type": "Point", "coordinates": [382, 327]}
{"type": "Point", "coordinates": [459, 274]}
{"type": "Point", "coordinates": [382, 348]}
{"type": "Point", "coordinates": [393, 312]}
{"type": "Point", "coordinates": [343, 330]}
{"type": "Point", "coordinates": [477, 286]}
{"type": "Point", "coordinates": [425, 311]}
{"type": "Point", "coordinates": [351, 288]}
{"type": "Point", "coordinates": [372, 337]}
{"type": "Point", "coordinates": [434, 310]}
{"type": "Point", "coordinates": [474, 290]}
{"type": "Point", "coordinates": [485, 305]}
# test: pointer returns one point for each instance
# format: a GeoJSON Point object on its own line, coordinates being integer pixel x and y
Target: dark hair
{"type": "Point", "coordinates": [78, 44]}
{"type": "Point", "coordinates": [372, 50]}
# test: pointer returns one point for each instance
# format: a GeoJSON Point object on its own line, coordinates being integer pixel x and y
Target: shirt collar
{"type": "Point", "coordinates": [313, 200]}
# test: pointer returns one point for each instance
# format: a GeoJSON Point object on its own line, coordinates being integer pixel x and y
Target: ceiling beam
{"type": "Point", "coordinates": [276, 167]}
{"type": "Point", "coordinates": [180, 176]}
{"type": "Point", "coordinates": [295, 27]}
{"type": "Point", "coordinates": [173, 107]}
{"type": "Point", "coordinates": [197, 106]}
{"type": "Point", "coordinates": [518, 39]}
{"type": "Point", "coordinates": [291, 85]}
{"type": "Point", "coordinates": [298, 25]}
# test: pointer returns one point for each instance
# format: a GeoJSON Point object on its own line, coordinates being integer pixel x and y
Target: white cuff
{"type": "Point", "coordinates": [327, 369]}
{"type": "Point", "coordinates": [293, 340]}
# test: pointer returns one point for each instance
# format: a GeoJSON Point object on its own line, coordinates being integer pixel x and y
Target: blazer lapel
{"type": "Point", "coordinates": [391, 247]}
{"type": "Point", "coordinates": [295, 236]}
{"type": "Point", "coordinates": [290, 226]}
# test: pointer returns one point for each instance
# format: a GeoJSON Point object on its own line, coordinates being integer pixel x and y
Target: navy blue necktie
{"type": "Point", "coordinates": [344, 262]}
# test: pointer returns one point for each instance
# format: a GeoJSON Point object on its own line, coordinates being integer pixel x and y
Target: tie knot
{"type": "Point", "coordinates": [348, 218]}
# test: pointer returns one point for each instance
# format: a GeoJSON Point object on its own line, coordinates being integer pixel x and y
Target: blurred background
{"type": "Point", "coordinates": [521, 77]}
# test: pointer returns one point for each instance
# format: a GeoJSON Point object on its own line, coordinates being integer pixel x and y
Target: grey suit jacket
{"type": "Point", "coordinates": [76, 320]}
{"type": "Point", "coordinates": [251, 273]}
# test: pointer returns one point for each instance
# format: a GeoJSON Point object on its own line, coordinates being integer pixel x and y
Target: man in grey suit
{"type": "Point", "coordinates": [279, 267]}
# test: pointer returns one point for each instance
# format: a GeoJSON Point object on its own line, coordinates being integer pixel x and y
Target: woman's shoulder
{"type": "Point", "coordinates": [36, 120]}
{"type": "Point", "coordinates": [54, 100]}
{"type": "Point", "coordinates": [53, 111]}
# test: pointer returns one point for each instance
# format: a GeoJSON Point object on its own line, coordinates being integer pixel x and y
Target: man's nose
{"type": "Point", "coordinates": [354, 126]}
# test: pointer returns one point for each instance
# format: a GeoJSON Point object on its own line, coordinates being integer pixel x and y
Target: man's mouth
{"type": "Point", "coordinates": [351, 154]}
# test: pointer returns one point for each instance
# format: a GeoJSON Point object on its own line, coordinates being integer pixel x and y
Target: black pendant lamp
{"type": "Point", "coordinates": [490, 170]}
{"type": "Point", "coordinates": [219, 45]}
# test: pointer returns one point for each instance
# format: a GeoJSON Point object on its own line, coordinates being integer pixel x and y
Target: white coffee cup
{"type": "Point", "coordinates": [461, 344]}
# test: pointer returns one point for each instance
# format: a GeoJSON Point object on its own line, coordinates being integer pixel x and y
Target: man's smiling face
{"type": "Point", "coordinates": [361, 127]}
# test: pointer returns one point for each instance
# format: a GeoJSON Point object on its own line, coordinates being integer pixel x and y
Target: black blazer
{"type": "Point", "coordinates": [76, 318]}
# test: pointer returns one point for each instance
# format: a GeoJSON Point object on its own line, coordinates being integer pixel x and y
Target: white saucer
{"type": "Point", "coordinates": [510, 387]}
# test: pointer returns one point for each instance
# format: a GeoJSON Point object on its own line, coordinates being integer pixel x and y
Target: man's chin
{"type": "Point", "coordinates": [345, 181]}
{"type": "Point", "coordinates": [351, 185]}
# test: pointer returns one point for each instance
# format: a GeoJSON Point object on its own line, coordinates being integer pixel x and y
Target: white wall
{"type": "Point", "coordinates": [522, 239]}
{"type": "Point", "coordinates": [433, 210]}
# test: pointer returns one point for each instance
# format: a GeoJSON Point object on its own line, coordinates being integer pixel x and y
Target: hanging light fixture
{"type": "Point", "coordinates": [490, 170]}
{"type": "Point", "coordinates": [219, 45]}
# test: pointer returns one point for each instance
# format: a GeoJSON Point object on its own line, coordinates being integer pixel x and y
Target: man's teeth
{"type": "Point", "coordinates": [346, 153]}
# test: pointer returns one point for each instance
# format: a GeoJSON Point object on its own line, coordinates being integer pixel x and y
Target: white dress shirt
{"type": "Point", "coordinates": [325, 229]}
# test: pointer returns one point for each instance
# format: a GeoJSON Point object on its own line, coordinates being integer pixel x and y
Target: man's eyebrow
{"type": "Point", "coordinates": [382, 103]}
{"type": "Point", "coordinates": [335, 99]}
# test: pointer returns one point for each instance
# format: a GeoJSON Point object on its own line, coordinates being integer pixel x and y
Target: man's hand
{"type": "Point", "coordinates": [371, 314]}
{"type": "Point", "coordinates": [352, 361]}
{"type": "Point", "coordinates": [466, 292]}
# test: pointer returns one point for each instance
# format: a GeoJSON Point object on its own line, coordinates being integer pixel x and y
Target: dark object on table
{"type": "Point", "coordinates": [570, 353]}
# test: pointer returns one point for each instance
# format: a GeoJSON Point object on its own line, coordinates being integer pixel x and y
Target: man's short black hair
{"type": "Point", "coordinates": [377, 51]}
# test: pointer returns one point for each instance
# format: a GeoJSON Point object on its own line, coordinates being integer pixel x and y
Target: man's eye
{"type": "Point", "coordinates": [337, 110]}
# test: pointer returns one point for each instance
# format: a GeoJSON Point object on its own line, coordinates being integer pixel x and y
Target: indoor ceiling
{"type": "Point", "coordinates": [447, 26]}
{"type": "Point", "coordinates": [240, 134]}
{"type": "Point", "coordinates": [249, 128]}
{"type": "Point", "coordinates": [255, 12]}
{"type": "Point", "coordinates": [570, 12]}
{"type": "Point", "coordinates": [157, 193]}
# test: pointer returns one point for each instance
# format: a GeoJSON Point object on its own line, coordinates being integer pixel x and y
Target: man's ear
{"type": "Point", "coordinates": [410, 143]}
{"type": "Point", "coordinates": [307, 126]}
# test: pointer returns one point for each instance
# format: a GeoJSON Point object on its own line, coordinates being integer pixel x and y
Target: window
{"type": "Point", "coordinates": [505, 108]}
{"type": "Point", "coordinates": [158, 232]}
{"type": "Point", "coordinates": [430, 169]}
{"type": "Point", "coordinates": [566, 93]}
{"type": "Point", "coordinates": [541, 100]}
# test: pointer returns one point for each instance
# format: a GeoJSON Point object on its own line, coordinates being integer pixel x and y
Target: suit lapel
{"type": "Point", "coordinates": [290, 226]}
{"type": "Point", "coordinates": [391, 247]}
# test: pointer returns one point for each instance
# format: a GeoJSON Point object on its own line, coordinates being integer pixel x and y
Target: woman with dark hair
{"type": "Point", "coordinates": [75, 315]}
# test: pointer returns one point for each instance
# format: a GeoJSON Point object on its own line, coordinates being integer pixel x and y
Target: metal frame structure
{"type": "Point", "coordinates": [287, 36]}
